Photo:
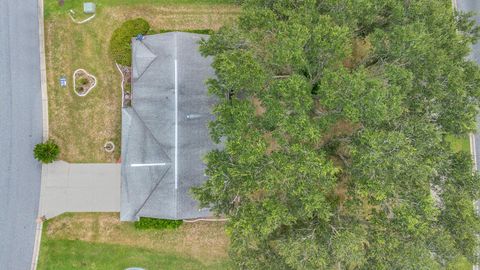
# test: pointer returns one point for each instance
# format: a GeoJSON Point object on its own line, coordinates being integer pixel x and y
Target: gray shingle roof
{"type": "Point", "coordinates": [165, 132]}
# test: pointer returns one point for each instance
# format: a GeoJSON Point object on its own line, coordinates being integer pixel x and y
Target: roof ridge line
{"type": "Point", "coordinates": [151, 134]}
{"type": "Point", "coordinates": [149, 64]}
{"type": "Point", "coordinates": [153, 190]}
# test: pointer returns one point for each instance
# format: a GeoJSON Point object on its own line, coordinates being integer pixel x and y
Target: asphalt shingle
{"type": "Point", "coordinates": [165, 134]}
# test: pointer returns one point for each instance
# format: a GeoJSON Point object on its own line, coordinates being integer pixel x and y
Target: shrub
{"type": "Point", "coordinates": [128, 87]}
{"type": "Point", "coordinates": [120, 48]}
{"type": "Point", "coordinates": [46, 152]}
{"type": "Point", "coordinates": [154, 223]}
{"type": "Point", "coordinates": [83, 81]}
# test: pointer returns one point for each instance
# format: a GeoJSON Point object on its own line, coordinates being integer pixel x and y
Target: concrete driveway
{"type": "Point", "coordinates": [78, 187]}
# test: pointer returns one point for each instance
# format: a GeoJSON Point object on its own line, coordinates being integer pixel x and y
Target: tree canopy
{"type": "Point", "coordinates": [334, 116]}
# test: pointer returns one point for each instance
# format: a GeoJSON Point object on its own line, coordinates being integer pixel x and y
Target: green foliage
{"type": "Point", "coordinates": [460, 263]}
{"type": "Point", "coordinates": [128, 87]}
{"type": "Point", "coordinates": [83, 81]}
{"type": "Point", "coordinates": [120, 48]}
{"type": "Point", "coordinates": [459, 144]}
{"type": "Point", "coordinates": [158, 224]}
{"type": "Point", "coordinates": [335, 156]}
{"type": "Point", "coordinates": [46, 152]}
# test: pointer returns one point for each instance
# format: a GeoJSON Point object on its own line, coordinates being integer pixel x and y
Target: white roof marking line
{"type": "Point", "coordinates": [148, 164]}
{"type": "Point", "coordinates": [176, 116]}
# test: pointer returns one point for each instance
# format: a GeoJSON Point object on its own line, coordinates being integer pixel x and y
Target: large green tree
{"type": "Point", "coordinates": [334, 116]}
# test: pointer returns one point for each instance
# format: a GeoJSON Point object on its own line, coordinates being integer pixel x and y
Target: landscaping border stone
{"type": "Point", "coordinates": [80, 22]}
{"type": "Point", "coordinates": [89, 89]}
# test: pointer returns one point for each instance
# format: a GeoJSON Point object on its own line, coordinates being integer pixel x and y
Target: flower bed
{"type": "Point", "coordinates": [83, 82]}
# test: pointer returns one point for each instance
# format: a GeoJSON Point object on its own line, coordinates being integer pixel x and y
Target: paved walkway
{"type": "Point", "coordinates": [77, 187]}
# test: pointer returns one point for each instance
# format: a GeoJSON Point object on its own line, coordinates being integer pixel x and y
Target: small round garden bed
{"type": "Point", "coordinates": [83, 82]}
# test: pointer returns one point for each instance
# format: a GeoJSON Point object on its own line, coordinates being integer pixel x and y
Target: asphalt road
{"type": "Point", "coordinates": [20, 130]}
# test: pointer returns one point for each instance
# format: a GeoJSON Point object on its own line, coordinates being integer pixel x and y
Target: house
{"type": "Point", "coordinates": [165, 130]}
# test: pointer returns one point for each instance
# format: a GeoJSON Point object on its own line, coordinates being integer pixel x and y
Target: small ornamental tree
{"type": "Point", "coordinates": [46, 152]}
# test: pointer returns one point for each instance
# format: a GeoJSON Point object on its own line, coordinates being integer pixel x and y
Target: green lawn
{"type": "Point", "coordinates": [76, 254]}
{"type": "Point", "coordinates": [100, 241]}
{"type": "Point", "coordinates": [82, 125]}
{"type": "Point", "coordinates": [460, 264]}
{"type": "Point", "coordinates": [52, 7]}
{"type": "Point", "coordinates": [459, 144]}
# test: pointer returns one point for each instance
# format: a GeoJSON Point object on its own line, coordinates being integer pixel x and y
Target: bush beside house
{"type": "Point", "coordinates": [120, 48]}
{"type": "Point", "coordinates": [154, 223]}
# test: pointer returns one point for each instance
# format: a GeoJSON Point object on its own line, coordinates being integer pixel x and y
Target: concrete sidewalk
{"type": "Point", "coordinates": [79, 188]}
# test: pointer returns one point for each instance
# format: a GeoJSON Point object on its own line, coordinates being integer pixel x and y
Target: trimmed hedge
{"type": "Point", "coordinates": [46, 152]}
{"type": "Point", "coordinates": [120, 48]}
{"type": "Point", "coordinates": [155, 223]}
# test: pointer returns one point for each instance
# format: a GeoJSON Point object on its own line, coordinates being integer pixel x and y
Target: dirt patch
{"type": "Point", "coordinates": [272, 144]}
{"type": "Point", "coordinates": [177, 17]}
{"type": "Point", "coordinates": [257, 104]}
{"type": "Point", "coordinates": [360, 51]}
{"type": "Point", "coordinates": [341, 128]}
{"type": "Point", "coordinates": [80, 227]}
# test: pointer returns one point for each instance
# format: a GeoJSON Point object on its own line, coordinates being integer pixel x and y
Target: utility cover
{"type": "Point", "coordinates": [88, 7]}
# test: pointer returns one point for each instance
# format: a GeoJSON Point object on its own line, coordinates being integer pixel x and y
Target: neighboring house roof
{"type": "Point", "coordinates": [165, 131]}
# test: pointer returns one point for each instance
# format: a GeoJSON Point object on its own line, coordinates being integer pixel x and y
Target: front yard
{"type": "Point", "coordinates": [101, 241]}
{"type": "Point", "coordinates": [82, 125]}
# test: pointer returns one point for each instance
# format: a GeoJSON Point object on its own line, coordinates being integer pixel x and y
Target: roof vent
{"type": "Point", "coordinates": [193, 116]}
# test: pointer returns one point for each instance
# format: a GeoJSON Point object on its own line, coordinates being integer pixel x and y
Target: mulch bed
{"type": "Point", "coordinates": [83, 82]}
{"type": "Point", "coordinates": [127, 84]}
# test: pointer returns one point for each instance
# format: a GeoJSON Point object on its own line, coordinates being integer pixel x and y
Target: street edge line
{"type": "Point", "coordinates": [45, 128]}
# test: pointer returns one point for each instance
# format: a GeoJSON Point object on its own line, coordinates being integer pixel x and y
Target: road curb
{"type": "Point", "coordinates": [43, 70]}
{"type": "Point", "coordinates": [43, 85]}
{"type": "Point", "coordinates": [38, 239]}
{"type": "Point", "coordinates": [454, 4]}
{"type": "Point", "coordinates": [473, 150]}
